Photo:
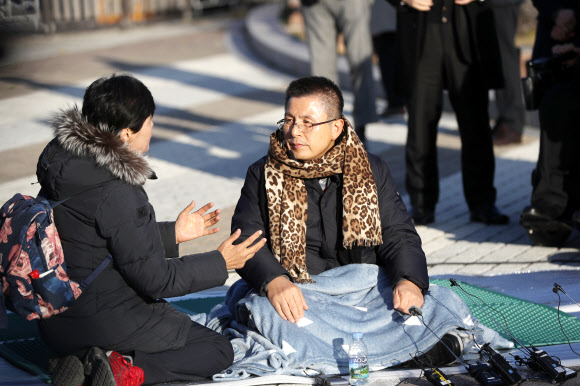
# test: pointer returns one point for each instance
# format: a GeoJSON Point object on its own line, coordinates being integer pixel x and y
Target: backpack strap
{"type": "Point", "coordinates": [54, 204]}
{"type": "Point", "coordinates": [3, 313]}
{"type": "Point", "coordinates": [85, 283]}
{"type": "Point", "coordinates": [93, 275]}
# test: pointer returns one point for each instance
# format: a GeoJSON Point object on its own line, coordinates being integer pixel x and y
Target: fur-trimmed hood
{"type": "Point", "coordinates": [81, 139]}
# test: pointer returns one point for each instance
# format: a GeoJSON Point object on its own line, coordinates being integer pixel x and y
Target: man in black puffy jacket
{"type": "Point", "coordinates": [97, 157]}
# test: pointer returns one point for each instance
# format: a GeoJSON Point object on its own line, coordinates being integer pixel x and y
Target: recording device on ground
{"type": "Point", "coordinates": [482, 372]}
{"type": "Point", "coordinates": [500, 365]}
{"type": "Point", "coordinates": [433, 374]}
{"type": "Point", "coordinates": [538, 360]}
{"type": "Point", "coordinates": [542, 361]}
{"type": "Point", "coordinates": [331, 380]}
{"type": "Point", "coordinates": [437, 377]}
{"type": "Point", "coordinates": [541, 75]}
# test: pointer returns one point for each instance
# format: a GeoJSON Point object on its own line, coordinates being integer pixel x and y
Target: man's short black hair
{"type": "Point", "coordinates": [318, 85]}
{"type": "Point", "coordinates": [118, 102]}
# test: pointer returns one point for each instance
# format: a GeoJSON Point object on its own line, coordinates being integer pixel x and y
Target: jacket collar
{"type": "Point", "coordinates": [84, 140]}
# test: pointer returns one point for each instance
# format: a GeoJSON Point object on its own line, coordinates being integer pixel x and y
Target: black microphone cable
{"type": "Point", "coordinates": [557, 288]}
{"type": "Point", "coordinates": [416, 311]}
{"type": "Point", "coordinates": [482, 372]}
{"type": "Point", "coordinates": [506, 330]}
{"type": "Point", "coordinates": [538, 359]}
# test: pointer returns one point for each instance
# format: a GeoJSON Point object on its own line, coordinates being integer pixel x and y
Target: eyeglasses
{"type": "Point", "coordinates": [305, 127]}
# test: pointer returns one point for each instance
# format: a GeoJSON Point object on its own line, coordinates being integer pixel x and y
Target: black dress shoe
{"type": "Point", "coordinates": [438, 355]}
{"type": "Point", "coordinates": [489, 215]}
{"type": "Point", "coordinates": [444, 352]}
{"type": "Point", "coordinates": [422, 216]}
{"type": "Point", "coordinates": [546, 230]}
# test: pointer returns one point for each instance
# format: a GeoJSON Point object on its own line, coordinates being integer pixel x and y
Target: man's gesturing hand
{"type": "Point", "coordinates": [237, 255]}
{"type": "Point", "coordinates": [189, 226]}
{"type": "Point", "coordinates": [287, 299]}
{"type": "Point", "coordinates": [405, 295]}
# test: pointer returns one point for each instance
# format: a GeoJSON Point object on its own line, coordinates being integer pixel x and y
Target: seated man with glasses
{"type": "Point", "coordinates": [324, 202]}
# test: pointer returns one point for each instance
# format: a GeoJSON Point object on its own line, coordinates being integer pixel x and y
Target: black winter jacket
{"type": "Point", "coordinates": [400, 254]}
{"type": "Point", "coordinates": [120, 310]}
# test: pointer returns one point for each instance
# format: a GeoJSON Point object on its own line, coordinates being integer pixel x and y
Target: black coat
{"type": "Point", "coordinates": [480, 49]}
{"type": "Point", "coordinates": [400, 254]}
{"type": "Point", "coordinates": [119, 311]}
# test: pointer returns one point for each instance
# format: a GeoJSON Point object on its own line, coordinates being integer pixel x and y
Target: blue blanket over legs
{"type": "Point", "coordinates": [352, 298]}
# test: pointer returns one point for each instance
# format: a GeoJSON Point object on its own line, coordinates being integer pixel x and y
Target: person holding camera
{"type": "Point", "coordinates": [554, 73]}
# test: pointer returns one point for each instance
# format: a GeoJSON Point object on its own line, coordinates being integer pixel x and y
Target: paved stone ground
{"type": "Point", "coordinates": [216, 106]}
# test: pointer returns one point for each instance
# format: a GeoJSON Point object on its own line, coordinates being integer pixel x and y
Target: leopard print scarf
{"type": "Point", "coordinates": [288, 202]}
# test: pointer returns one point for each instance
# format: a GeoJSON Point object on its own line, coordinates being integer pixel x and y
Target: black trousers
{"type": "Point", "coordinates": [509, 100]}
{"type": "Point", "coordinates": [556, 180]}
{"type": "Point", "coordinates": [385, 46]}
{"type": "Point", "coordinates": [205, 353]}
{"type": "Point", "coordinates": [439, 67]}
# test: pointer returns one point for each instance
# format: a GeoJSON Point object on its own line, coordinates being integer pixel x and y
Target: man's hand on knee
{"type": "Point", "coordinates": [287, 299]}
{"type": "Point", "coordinates": [405, 295]}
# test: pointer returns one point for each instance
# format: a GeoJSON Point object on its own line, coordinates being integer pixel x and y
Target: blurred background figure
{"type": "Point", "coordinates": [384, 33]}
{"type": "Point", "coordinates": [555, 89]}
{"type": "Point", "coordinates": [449, 44]}
{"type": "Point", "coordinates": [324, 19]}
{"type": "Point", "coordinates": [509, 123]}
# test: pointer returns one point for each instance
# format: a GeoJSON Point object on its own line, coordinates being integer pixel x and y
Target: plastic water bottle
{"type": "Point", "coordinates": [357, 362]}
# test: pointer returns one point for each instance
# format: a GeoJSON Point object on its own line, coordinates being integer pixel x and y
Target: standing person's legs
{"type": "Point", "coordinates": [469, 99]}
{"type": "Point", "coordinates": [321, 34]}
{"type": "Point", "coordinates": [509, 100]}
{"type": "Point", "coordinates": [205, 353]}
{"type": "Point", "coordinates": [557, 176]}
{"type": "Point", "coordinates": [425, 106]}
{"type": "Point", "coordinates": [556, 180]}
{"type": "Point", "coordinates": [353, 19]}
{"type": "Point", "coordinates": [385, 47]}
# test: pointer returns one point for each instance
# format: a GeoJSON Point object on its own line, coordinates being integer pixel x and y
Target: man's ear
{"type": "Point", "coordinates": [125, 135]}
{"type": "Point", "coordinates": [337, 128]}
